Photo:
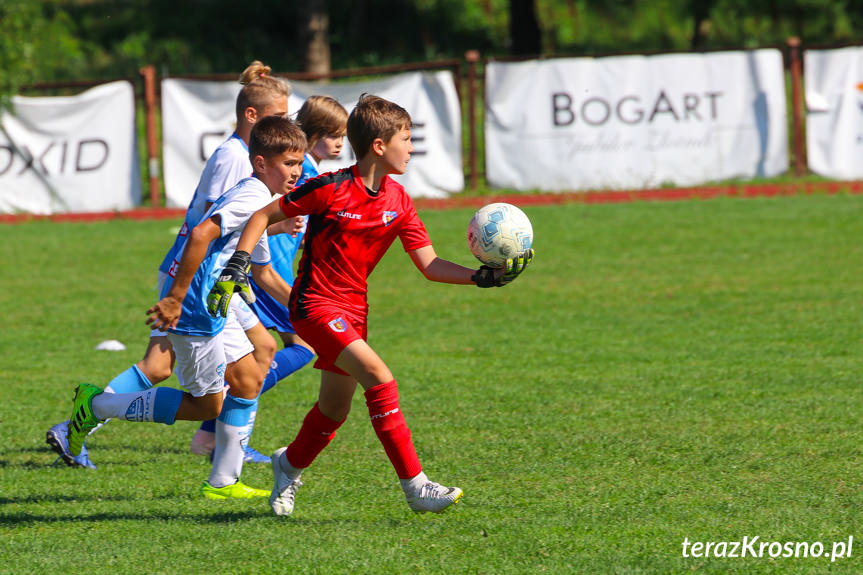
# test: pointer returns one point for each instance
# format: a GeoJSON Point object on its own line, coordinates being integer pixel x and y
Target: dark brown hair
{"type": "Point", "coordinates": [275, 135]}
{"type": "Point", "coordinates": [374, 118]}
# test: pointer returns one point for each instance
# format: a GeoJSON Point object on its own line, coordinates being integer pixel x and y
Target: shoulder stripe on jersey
{"type": "Point", "coordinates": [319, 182]}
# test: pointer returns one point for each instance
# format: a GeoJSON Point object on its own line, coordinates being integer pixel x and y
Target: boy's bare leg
{"type": "Point", "coordinates": [319, 427]}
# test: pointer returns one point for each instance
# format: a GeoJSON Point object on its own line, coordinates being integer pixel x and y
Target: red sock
{"type": "Point", "coordinates": [315, 434]}
{"type": "Point", "coordinates": [391, 428]}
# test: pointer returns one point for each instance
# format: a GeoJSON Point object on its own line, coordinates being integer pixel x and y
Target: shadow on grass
{"type": "Point", "coordinates": [61, 498]}
{"type": "Point", "coordinates": [22, 519]}
{"type": "Point", "coordinates": [34, 519]}
{"type": "Point", "coordinates": [147, 448]}
{"type": "Point", "coordinates": [52, 459]}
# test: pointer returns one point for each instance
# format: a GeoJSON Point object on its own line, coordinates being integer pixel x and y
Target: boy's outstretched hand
{"type": "Point", "coordinates": [234, 279]}
{"type": "Point", "coordinates": [165, 314]}
{"type": "Point", "coordinates": [486, 277]}
{"type": "Point", "coordinates": [291, 226]}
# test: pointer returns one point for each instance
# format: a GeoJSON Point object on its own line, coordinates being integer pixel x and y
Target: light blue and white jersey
{"type": "Point", "coordinates": [228, 164]}
{"type": "Point", "coordinates": [284, 247]}
{"type": "Point", "coordinates": [234, 209]}
{"type": "Point", "coordinates": [310, 170]}
{"type": "Point", "coordinates": [283, 250]}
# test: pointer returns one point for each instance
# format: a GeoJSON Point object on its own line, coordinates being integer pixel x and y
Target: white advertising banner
{"type": "Point", "coordinates": [629, 122]}
{"type": "Point", "coordinates": [71, 153]}
{"type": "Point", "coordinates": [834, 102]}
{"type": "Point", "coordinates": [198, 115]}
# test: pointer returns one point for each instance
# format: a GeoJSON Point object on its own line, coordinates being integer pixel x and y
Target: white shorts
{"type": "Point", "coordinates": [234, 337]}
{"type": "Point", "coordinates": [243, 313]}
{"type": "Point", "coordinates": [202, 359]}
{"type": "Point", "coordinates": [200, 362]}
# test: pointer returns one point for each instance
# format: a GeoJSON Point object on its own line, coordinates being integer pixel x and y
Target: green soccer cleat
{"type": "Point", "coordinates": [236, 490]}
{"type": "Point", "coordinates": [82, 421]}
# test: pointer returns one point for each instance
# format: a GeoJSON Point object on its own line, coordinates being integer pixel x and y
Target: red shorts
{"type": "Point", "coordinates": [329, 332]}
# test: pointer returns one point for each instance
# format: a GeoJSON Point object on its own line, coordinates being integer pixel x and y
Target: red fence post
{"type": "Point", "coordinates": [472, 57]}
{"type": "Point", "coordinates": [797, 105]}
{"type": "Point", "coordinates": [149, 74]}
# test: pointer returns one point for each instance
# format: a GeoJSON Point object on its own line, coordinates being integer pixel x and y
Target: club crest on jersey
{"type": "Point", "coordinates": [338, 325]}
{"type": "Point", "coordinates": [389, 217]}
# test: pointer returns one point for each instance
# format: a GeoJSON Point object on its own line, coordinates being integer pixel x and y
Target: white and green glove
{"type": "Point", "coordinates": [486, 277]}
{"type": "Point", "coordinates": [234, 279]}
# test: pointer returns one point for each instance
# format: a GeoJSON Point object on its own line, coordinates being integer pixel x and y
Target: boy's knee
{"type": "Point", "coordinates": [265, 349]}
{"type": "Point", "coordinates": [155, 371]}
{"type": "Point", "coordinates": [334, 411]}
{"type": "Point", "coordinates": [249, 386]}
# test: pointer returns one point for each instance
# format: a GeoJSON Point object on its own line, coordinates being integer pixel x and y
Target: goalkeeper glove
{"type": "Point", "coordinates": [486, 277]}
{"type": "Point", "coordinates": [234, 279]}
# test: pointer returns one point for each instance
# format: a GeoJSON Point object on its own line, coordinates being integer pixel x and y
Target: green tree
{"type": "Point", "coordinates": [19, 22]}
{"type": "Point", "coordinates": [47, 40]}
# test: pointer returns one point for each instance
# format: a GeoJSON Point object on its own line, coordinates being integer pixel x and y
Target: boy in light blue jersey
{"type": "Point", "coordinates": [262, 95]}
{"type": "Point", "coordinates": [324, 121]}
{"type": "Point", "coordinates": [209, 350]}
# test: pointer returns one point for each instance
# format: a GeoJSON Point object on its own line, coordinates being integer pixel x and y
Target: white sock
{"type": "Point", "coordinates": [137, 406]}
{"type": "Point", "coordinates": [412, 486]}
{"type": "Point", "coordinates": [292, 472]}
{"type": "Point", "coordinates": [228, 454]}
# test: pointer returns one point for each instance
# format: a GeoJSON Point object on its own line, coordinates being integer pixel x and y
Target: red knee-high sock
{"type": "Point", "coordinates": [391, 428]}
{"type": "Point", "coordinates": [315, 434]}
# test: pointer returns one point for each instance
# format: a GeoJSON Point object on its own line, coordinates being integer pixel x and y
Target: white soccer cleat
{"type": "Point", "coordinates": [434, 497]}
{"type": "Point", "coordinates": [284, 488]}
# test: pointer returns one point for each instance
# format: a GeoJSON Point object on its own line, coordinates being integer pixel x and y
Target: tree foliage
{"type": "Point", "coordinates": [49, 40]}
{"type": "Point", "coordinates": [34, 43]}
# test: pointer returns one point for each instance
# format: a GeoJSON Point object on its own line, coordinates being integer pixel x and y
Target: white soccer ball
{"type": "Point", "coordinates": [498, 232]}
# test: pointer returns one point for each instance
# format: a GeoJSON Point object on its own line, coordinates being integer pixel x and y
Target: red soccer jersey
{"type": "Point", "coordinates": [350, 229]}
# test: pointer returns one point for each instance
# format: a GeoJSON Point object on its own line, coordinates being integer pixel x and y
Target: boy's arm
{"type": "Point", "coordinates": [234, 277]}
{"type": "Point", "coordinates": [439, 270]}
{"type": "Point", "coordinates": [303, 200]}
{"type": "Point", "coordinates": [258, 223]}
{"type": "Point", "coordinates": [291, 226]}
{"type": "Point", "coordinates": [272, 282]}
{"type": "Point", "coordinates": [445, 271]}
{"type": "Point", "coordinates": [166, 313]}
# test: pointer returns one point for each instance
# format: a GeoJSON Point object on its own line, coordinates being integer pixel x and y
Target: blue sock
{"type": "Point", "coordinates": [130, 381]}
{"type": "Point", "coordinates": [209, 425]}
{"type": "Point", "coordinates": [237, 411]}
{"type": "Point", "coordinates": [232, 437]}
{"type": "Point", "coordinates": [286, 362]}
{"type": "Point", "coordinates": [166, 403]}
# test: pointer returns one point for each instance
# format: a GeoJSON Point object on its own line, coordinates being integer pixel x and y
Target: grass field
{"type": "Point", "coordinates": [665, 371]}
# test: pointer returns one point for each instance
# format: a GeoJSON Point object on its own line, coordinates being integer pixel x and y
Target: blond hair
{"type": "Point", "coordinates": [259, 88]}
{"type": "Point", "coordinates": [373, 117]}
{"type": "Point", "coordinates": [322, 116]}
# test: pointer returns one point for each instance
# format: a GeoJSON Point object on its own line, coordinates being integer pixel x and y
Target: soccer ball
{"type": "Point", "coordinates": [498, 232]}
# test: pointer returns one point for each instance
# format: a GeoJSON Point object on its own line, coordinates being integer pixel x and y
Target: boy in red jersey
{"type": "Point", "coordinates": [355, 214]}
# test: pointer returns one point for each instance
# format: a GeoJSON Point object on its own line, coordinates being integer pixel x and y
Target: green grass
{"type": "Point", "coordinates": [663, 371]}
